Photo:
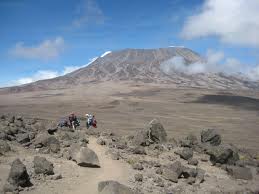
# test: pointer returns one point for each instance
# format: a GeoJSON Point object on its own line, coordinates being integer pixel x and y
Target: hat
{"type": "Point", "coordinates": [86, 115]}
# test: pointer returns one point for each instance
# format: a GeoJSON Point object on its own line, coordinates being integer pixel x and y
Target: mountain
{"type": "Point", "coordinates": [141, 65]}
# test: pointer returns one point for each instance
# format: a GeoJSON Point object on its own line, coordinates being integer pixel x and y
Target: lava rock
{"type": "Point", "coordinates": [43, 166]}
{"type": "Point", "coordinates": [211, 136]}
{"type": "Point", "coordinates": [193, 161]}
{"type": "Point", "coordinates": [156, 131]}
{"type": "Point", "coordinates": [18, 176]}
{"type": "Point", "coordinates": [23, 138]}
{"type": "Point", "coordinates": [138, 177]}
{"type": "Point", "coordinates": [137, 166]}
{"type": "Point", "coordinates": [185, 153]}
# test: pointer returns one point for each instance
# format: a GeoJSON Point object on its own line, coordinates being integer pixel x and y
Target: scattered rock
{"type": "Point", "coordinates": [46, 140]}
{"type": "Point", "coordinates": [138, 177]}
{"type": "Point", "coordinates": [223, 154]}
{"type": "Point", "coordinates": [115, 155]}
{"type": "Point", "coordinates": [84, 156]}
{"type": "Point", "coordinates": [23, 138]}
{"type": "Point", "coordinates": [191, 180]}
{"type": "Point", "coordinates": [185, 153]}
{"type": "Point", "coordinates": [18, 176]}
{"type": "Point", "coordinates": [240, 172]}
{"type": "Point", "coordinates": [42, 166]}
{"type": "Point", "coordinates": [193, 161]}
{"type": "Point", "coordinates": [101, 141]}
{"type": "Point", "coordinates": [189, 172]}
{"type": "Point", "coordinates": [137, 166]}
{"type": "Point", "coordinates": [210, 136]}
{"type": "Point", "coordinates": [113, 187]}
{"type": "Point", "coordinates": [190, 141]}
{"type": "Point", "coordinates": [173, 171]}
{"type": "Point", "coordinates": [139, 150]}
{"type": "Point", "coordinates": [159, 182]}
{"type": "Point", "coordinates": [200, 175]}
{"type": "Point", "coordinates": [4, 147]}
{"type": "Point", "coordinates": [52, 128]}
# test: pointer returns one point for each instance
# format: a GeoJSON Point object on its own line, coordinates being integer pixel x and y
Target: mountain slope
{"type": "Point", "coordinates": [142, 65]}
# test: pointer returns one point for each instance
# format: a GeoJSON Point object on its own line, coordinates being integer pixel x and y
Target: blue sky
{"type": "Point", "coordinates": [45, 38]}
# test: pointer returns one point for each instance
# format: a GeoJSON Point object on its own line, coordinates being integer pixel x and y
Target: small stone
{"type": "Point", "coordinates": [193, 161]}
{"type": "Point", "coordinates": [137, 166]}
{"type": "Point", "coordinates": [191, 180]}
{"type": "Point", "coordinates": [138, 177]}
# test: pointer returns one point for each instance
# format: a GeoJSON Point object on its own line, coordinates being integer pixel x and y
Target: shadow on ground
{"type": "Point", "coordinates": [239, 102]}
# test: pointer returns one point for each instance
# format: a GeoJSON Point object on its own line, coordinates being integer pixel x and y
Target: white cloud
{"type": "Point", "coordinates": [39, 75]}
{"type": "Point", "coordinates": [215, 62]}
{"type": "Point", "coordinates": [48, 49]}
{"type": "Point", "coordinates": [88, 12]}
{"type": "Point", "coordinates": [233, 21]}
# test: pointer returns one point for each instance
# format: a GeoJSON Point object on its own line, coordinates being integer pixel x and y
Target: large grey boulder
{"type": "Point", "coordinates": [4, 147]}
{"type": "Point", "coordinates": [42, 166]}
{"type": "Point", "coordinates": [18, 176]}
{"type": "Point", "coordinates": [211, 136]}
{"type": "Point", "coordinates": [173, 171]}
{"type": "Point", "coordinates": [84, 156]}
{"type": "Point", "coordinates": [113, 187]}
{"type": "Point", "coordinates": [157, 131]}
{"type": "Point", "coordinates": [240, 172]}
{"type": "Point", "coordinates": [223, 154]}
{"type": "Point", "coordinates": [153, 132]}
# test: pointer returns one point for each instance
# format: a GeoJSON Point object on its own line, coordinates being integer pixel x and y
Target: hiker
{"type": "Point", "coordinates": [73, 121]}
{"type": "Point", "coordinates": [90, 121]}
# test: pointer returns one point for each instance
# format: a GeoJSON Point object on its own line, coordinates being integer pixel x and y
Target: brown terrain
{"type": "Point", "coordinates": [127, 89]}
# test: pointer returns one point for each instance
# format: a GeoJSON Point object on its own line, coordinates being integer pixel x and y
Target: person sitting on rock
{"type": "Point", "coordinates": [90, 121]}
{"type": "Point", "coordinates": [73, 121]}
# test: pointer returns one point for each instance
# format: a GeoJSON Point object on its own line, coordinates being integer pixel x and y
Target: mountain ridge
{"type": "Point", "coordinates": [141, 65]}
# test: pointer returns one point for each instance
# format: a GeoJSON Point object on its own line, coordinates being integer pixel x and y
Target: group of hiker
{"type": "Point", "coordinates": [73, 122]}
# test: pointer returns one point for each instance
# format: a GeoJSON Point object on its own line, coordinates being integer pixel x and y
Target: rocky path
{"type": "Point", "coordinates": [75, 179]}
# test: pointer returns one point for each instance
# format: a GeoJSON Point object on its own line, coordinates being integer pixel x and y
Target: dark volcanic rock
{"type": "Point", "coordinates": [193, 161]}
{"type": "Point", "coordinates": [138, 177]}
{"type": "Point", "coordinates": [223, 154]}
{"type": "Point", "coordinates": [156, 131]}
{"type": "Point", "coordinates": [240, 172]}
{"type": "Point", "coordinates": [190, 141]}
{"type": "Point", "coordinates": [23, 138]}
{"type": "Point", "coordinates": [173, 171]}
{"type": "Point", "coordinates": [210, 136]}
{"type": "Point", "coordinates": [18, 176]}
{"type": "Point", "coordinates": [42, 166]}
{"type": "Point", "coordinates": [137, 166]}
{"type": "Point", "coordinates": [185, 153]}
{"type": "Point", "coordinates": [113, 187]}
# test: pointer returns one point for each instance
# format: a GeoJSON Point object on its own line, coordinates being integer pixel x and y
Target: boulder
{"type": "Point", "coordinates": [190, 141]}
{"type": "Point", "coordinates": [18, 176]}
{"type": "Point", "coordinates": [141, 138]}
{"type": "Point", "coordinates": [46, 140]}
{"type": "Point", "coordinates": [223, 154]}
{"type": "Point", "coordinates": [84, 156]}
{"type": "Point", "coordinates": [137, 166]}
{"type": "Point", "coordinates": [173, 171]}
{"type": "Point", "coordinates": [189, 172]}
{"type": "Point", "coordinates": [4, 147]}
{"type": "Point", "coordinates": [240, 172]}
{"type": "Point", "coordinates": [113, 187]}
{"type": "Point", "coordinates": [42, 166]}
{"type": "Point", "coordinates": [193, 161]}
{"type": "Point", "coordinates": [211, 136]}
{"type": "Point", "coordinates": [23, 138]}
{"type": "Point", "coordinates": [138, 177]}
{"type": "Point", "coordinates": [185, 153]}
{"type": "Point", "coordinates": [52, 128]}
{"type": "Point", "coordinates": [139, 150]}
{"type": "Point", "coordinates": [157, 131]}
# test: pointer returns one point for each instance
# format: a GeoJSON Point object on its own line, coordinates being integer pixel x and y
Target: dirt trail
{"type": "Point", "coordinates": [110, 170]}
{"type": "Point", "coordinates": [76, 179]}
